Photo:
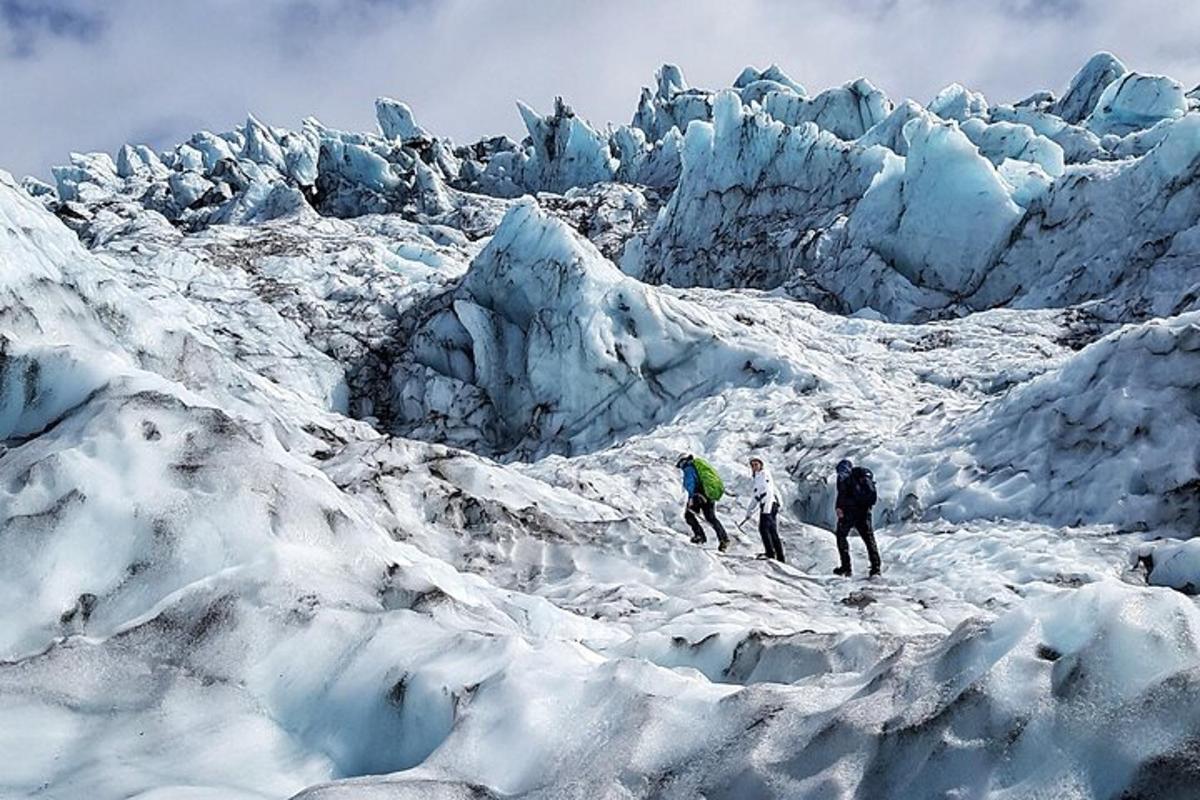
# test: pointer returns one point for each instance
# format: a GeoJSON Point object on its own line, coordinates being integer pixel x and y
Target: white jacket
{"type": "Point", "coordinates": [765, 496]}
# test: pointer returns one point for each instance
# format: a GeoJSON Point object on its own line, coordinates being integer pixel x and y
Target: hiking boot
{"type": "Point", "coordinates": [723, 546]}
{"type": "Point", "coordinates": [698, 540]}
{"type": "Point", "coordinates": [842, 571]}
{"type": "Point", "coordinates": [874, 571]}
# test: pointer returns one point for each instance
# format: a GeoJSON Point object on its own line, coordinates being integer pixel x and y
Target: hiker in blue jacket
{"type": "Point", "coordinates": [699, 501]}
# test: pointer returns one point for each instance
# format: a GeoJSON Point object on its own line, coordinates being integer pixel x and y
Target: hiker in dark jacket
{"type": "Point", "coordinates": [855, 497]}
{"type": "Point", "coordinates": [698, 501]}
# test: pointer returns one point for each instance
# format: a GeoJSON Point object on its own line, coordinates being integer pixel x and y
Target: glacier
{"type": "Point", "coordinates": [340, 464]}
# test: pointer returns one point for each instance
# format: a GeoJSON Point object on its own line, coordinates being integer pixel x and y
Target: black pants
{"type": "Point", "coordinates": [860, 521]}
{"type": "Point", "coordinates": [699, 502]}
{"type": "Point", "coordinates": [768, 529]}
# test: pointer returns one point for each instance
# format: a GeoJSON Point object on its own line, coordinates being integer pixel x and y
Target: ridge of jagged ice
{"type": "Point", "coordinates": [1049, 156]}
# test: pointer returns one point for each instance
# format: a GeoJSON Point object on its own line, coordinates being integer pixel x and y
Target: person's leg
{"type": "Point", "coordinates": [867, 532]}
{"type": "Point", "coordinates": [690, 517]}
{"type": "Point", "coordinates": [765, 532]}
{"type": "Point", "coordinates": [843, 544]}
{"type": "Point", "coordinates": [710, 515]}
{"type": "Point", "coordinates": [773, 531]}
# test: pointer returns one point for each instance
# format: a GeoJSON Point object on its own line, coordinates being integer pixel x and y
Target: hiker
{"type": "Point", "coordinates": [704, 489]}
{"type": "Point", "coordinates": [855, 497]}
{"type": "Point", "coordinates": [766, 500]}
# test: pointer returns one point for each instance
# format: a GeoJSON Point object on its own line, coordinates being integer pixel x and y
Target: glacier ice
{"type": "Point", "coordinates": [396, 120]}
{"type": "Point", "coordinates": [1136, 101]}
{"type": "Point", "coordinates": [1087, 86]}
{"type": "Point", "coordinates": [956, 102]}
{"type": "Point", "coordinates": [334, 463]}
{"type": "Point", "coordinates": [942, 219]}
{"type": "Point", "coordinates": [846, 111]}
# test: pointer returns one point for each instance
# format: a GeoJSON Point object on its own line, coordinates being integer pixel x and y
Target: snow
{"type": "Point", "coordinates": [340, 464]}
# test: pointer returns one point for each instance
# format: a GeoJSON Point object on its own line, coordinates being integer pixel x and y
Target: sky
{"type": "Point", "coordinates": [82, 75]}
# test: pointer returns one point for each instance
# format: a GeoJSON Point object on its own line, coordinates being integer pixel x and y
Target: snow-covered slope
{"type": "Point", "coordinates": [341, 465]}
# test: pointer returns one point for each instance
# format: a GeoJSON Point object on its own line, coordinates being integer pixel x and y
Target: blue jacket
{"type": "Point", "coordinates": [691, 480]}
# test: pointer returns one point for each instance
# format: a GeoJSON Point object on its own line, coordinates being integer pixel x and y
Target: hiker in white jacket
{"type": "Point", "coordinates": [765, 499]}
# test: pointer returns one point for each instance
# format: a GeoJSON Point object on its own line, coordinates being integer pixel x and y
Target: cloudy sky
{"type": "Point", "coordinates": [92, 74]}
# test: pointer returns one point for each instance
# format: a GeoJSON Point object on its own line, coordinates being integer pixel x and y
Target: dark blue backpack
{"type": "Point", "coordinates": [862, 487]}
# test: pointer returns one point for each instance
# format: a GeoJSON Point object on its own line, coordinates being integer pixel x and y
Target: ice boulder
{"type": "Point", "coordinates": [956, 102]}
{"type": "Point", "coordinates": [1126, 234]}
{"type": "Point", "coordinates": [1172, 563]}
{"type": "Point", "coordinates": [1086, 87]}
{"type": "Point", "coordinates": [1135, 101]}
{"type": "Point", "coordinates": [943, 217]}
{"type": "Point", "coordinates": [139, 160]}
{"type": "Point", "coordinates": [889, 132]}
{"type": "Point", "coordinates": [396, 120]}
{"type": "Point", "coordinates": [753, 84]}
{"type": "Point", "coordinates": [188, 187]}
{"type": "Point", "coordinates": [1005, 140]}
{"type": "Point", "coordinates": [261, 146]}
{"type": "Point", "coordinates": [90, 177]}
{"type": "Point", "coordinates": [569, 351]}
{"type": "Point", "coordinates": [1079, 145]}
{"type": "Point", "coordinates": [655, 165]}
{"type": "Point", "coordinates": [846, 111]}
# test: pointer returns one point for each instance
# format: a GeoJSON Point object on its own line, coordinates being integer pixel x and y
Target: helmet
{"type": "Point", "coordinates": [843, 467]}
{"type": "Point", "coordinates": [758, 458]}
{"type": "Point", "coordinates": [684, 460]}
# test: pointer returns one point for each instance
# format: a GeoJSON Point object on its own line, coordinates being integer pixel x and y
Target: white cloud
{"type": "Point", "coordinates": [158, 70]}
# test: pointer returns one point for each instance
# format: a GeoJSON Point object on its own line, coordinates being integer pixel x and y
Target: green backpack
{"type": "Point", "coordinates": [710, 481]}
